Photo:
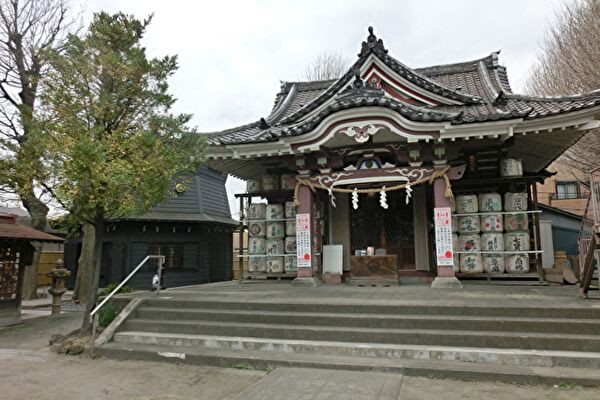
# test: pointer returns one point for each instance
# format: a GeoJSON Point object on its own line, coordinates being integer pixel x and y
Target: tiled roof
{"type": "Point", "coordinates": [9, 229]}
{"type": "Point", "coordinates": [481, 86]}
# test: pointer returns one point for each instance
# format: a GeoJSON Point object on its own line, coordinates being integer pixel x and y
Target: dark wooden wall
{"type": "Point", "coordinates": [207, 252]}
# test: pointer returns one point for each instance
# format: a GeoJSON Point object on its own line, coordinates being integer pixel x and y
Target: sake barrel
{"type": "Point", "coordinates": [275, 230]}
{"type": "Point", "coordinates": [456, 265]}
{"type": "Point", "coordinates": [516, 241]}
{"type": "Point", "coordinates": [517, 263]}
{"type": "Point", "coordinates": [275, 247]}
{"type": "Point", "coordinates": [454, 222]}
{"type": "Point", "coordinates": [288, 181]}
{"type": "Point", "coordinates": [290, 209]}
{"type": "Point", "coordinates": [471, 263]}
{"type": "Point", "coordinates": [493, 263]}
{"type": "Point", "coordinates": [257, 228]}
{"type": "Point", "coordinates": [275, 265]}
{"type": "Point", "coordinates": [290, 228]}
{"type": "Point", "coordinates": [490, 202]}
{"type": "Point", "coordinates": [253, 186]}
{"type": "Point", "coordinates": [515, 201]}
{"type": "Point", "coordinates": [257, 264]}
{"type": "Point", "coordinates": [492, 242]}
{"type": "Point", "coordinates": [257, 211]}
{"type": "Point", "coordinates": [275, 211]}
{"type": "Point", "coordinates": [290, 264]}
{"type": "Point", "coordinates": [290, 244]}
{"type": "Point", "coordinates": [468, 224]}
{"type": "Point", "coordinates": [492, 223]}
{"type": "Point", "coordinates": [257, 245]}
{"type": "Point", "coordinates": [469, 242]}
{"type": "Point", "coordinates": [516, 222]}
{"type": "Point", "coordinates": [270, 182]}
{"type": "Point", "coordinates": [511, 167]}
{"type": "Point", "coordinates": [467, 203]}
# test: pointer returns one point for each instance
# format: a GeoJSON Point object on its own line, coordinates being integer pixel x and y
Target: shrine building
{"type": "Point", "coordinates": [392, 174]}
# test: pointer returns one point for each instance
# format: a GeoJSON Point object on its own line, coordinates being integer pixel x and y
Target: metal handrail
{"type": "Point", "coordinates": [94, 312]}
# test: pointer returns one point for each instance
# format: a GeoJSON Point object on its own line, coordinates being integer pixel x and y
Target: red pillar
{"type": "Point", "coordinates": [305, 206]}
{"type": "Point", "coordinates": [445, 274]}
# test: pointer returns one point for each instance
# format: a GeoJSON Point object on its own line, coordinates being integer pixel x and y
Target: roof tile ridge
{"type": "Point", "coordinates": [594, 94]}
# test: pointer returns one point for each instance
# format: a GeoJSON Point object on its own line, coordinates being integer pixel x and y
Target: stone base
{"type": "Point", "coordinates": [306, 281]}
{"type": "Point", "coordinates": [446, 282]}
{"type": "Point", "coordinates": [332, 278]}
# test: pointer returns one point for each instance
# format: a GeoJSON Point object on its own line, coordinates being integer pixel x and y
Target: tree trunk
{"type": "Point", "coordinates": [39, 214]}
{"type": "Point", "coordinates": [94, 275]}
{"type": "Point", "coordinates": [84, 266]}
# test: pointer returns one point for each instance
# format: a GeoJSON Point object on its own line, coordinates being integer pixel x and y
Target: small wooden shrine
{"type": "Point", "coordinates": [16, 252]}
{"type": "Point", "coordinates": [395, 173]}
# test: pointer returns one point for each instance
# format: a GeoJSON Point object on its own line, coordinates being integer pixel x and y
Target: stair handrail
{"type": "Point", "coordinates": [94, 312]}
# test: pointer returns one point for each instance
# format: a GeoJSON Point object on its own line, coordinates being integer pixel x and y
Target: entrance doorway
{"type": "Point", "coordinates": [390, 231]}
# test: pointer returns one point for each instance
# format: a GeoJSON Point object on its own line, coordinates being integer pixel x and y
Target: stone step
{"type": "Point", "coordinates": [373, 307]}
{"type": "Point", "coordinates": [271, 359]}
{"type": "Point", "coordinates": [495, 339]}
{"type": "Point", "coordinates": [384, 321]}
{"type": "Point", "coordinates": [515, 357]}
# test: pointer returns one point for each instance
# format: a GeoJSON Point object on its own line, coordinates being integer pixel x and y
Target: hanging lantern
{"type": "Point", "coordinates": [408, 192]}
{"type": "Point", "coordinates": [383, 199]}
{"type": "Point", "coordinates": [355, 199]}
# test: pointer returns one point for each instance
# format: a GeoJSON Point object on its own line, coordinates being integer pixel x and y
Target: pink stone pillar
{"type": "Point", "coordinates": [445, 274]}
{"type": "Point", "coordinates": [305, 274]}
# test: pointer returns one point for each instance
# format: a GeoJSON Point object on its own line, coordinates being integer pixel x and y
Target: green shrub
{"type": "Point", "coordinates": [107, 290]}
{"type": "Point", "coordinates": [107, 314]}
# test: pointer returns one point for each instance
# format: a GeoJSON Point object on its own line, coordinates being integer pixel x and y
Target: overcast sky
{"type": "Point", "coordinates": [233, 54]}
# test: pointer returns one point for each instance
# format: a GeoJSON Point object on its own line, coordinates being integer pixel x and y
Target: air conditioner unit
{"type": "Point", "coordinates": [333, 259]}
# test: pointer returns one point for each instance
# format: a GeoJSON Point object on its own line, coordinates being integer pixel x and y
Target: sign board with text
{"type": "Point", "coordinates": [443, 236]}
{"type": "Point", "coordinates": [303, 250]}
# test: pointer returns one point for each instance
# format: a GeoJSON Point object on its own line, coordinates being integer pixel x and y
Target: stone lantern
{"type": "Point", "coordinates": [58, 274]}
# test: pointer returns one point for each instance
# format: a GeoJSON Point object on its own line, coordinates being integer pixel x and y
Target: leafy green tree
{"type": "Point", "coordinates": [113, 147]}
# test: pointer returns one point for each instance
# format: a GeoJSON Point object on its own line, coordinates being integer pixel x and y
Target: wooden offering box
{"type": "Point", "coordinates": [374, 266]}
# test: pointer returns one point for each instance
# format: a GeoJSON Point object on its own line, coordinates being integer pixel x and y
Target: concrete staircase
{"type": "Point", "coordinates": [512, 344]}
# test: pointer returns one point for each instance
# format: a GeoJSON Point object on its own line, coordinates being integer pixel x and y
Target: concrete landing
{"type": "Point", "coordinates": [302, 383]}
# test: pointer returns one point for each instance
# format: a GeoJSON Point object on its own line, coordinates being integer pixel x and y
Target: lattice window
{"type": "Point", "coordinates": [9, 272]}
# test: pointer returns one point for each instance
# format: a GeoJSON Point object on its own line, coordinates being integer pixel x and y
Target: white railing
{"type": "Point", "coordinates": [94, 312]}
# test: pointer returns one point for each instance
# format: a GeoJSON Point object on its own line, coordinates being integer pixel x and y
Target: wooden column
{"type": "Point", "coordinates": [305, 274]}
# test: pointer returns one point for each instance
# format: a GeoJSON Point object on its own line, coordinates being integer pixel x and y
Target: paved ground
{"type": "Point", "coordinates": [28, 370]}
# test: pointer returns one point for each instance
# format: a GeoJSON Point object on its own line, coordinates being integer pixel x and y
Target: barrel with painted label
{"type": "Point", "coordinates": [468, 224]}
{"type": "Point", "coordinates": [492, 242]}
{"type": "Point", "coordinates": [515, 201]}
{"type": "Point", "coordinates": [257, 211]}
{"type": "Point", "coordinates": [270, 182]}
{"type": "Point", "coordinates": [290, 244]}
{"type": "Point", "coordinates": [253, 186]}
{"type": "Point", "coordinates": [516, 222]}
{"type": "Point", "coordinates": [490, 202]}
{"type": "Point", "coordinates": [516, 241]}
{"type": "Point", "coordinates": [290, 228]}
{"type": "Point", "coordinates": [517, 263]}
{"type": "Point", "coordinates": [257, 245]}
{"type": "Point", "coordinates": [290, 209]}
{"type": "Point", "coordinates": [257, 229]}
{"type": "Point", "coordinates": [275, 265]}
{"type": "Point", "coordinates": [467, 203]}
{"type": "Point", "coordinates": [257, 264]}
{"type": "Point", "coordinates": [469, 242]}
{"type": "Point", "coordinates": [275, 247]}
{"type": "Point", "coordinates": [493, 263]}
{"type": "Point", "coordinates": [290, 264]}
{"type": "Point", "coordinates": [471, 263]}
{"type": "Point", "coordinates": [510, 167]}
{"type": "Point", "coordinates": [492, 223]}
{"type": "Point", "coordinates": [275, 212]}
{"type": "Point", "coordinates": [275, 230]}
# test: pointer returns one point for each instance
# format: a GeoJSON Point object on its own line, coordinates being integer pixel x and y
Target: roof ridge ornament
{"type": "Point", "coordinates": [372, 44]}
{"type": "Point", "coordinates": [359, 88]}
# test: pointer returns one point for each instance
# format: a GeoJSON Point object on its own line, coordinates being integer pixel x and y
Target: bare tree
{"type": "Point", "coordinates": [326, 66]}
{"type": "Point", "coordinates": [28, 29]}
{"type": "Point", "coordinates": [569, 65]}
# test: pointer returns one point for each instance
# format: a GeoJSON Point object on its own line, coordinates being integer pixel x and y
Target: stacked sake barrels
{"type": "Point", "coordinates": [492, 229]}
{"type": "Point", "coordinates": [275, 238]}
{"type": "Point", "coordinates": [291, 261]}
{"type": "Point", "coordinates": [516, 237]}
{"type": "Point", "coordinates": [469, 239]}
{"type": "Point", "coordinates": [257, 242]}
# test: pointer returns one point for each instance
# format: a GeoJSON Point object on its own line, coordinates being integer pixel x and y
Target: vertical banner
{"type": "Point", "coordinates": [443, 236]}
{"type": "Point", "coordinates": [303, 248]}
